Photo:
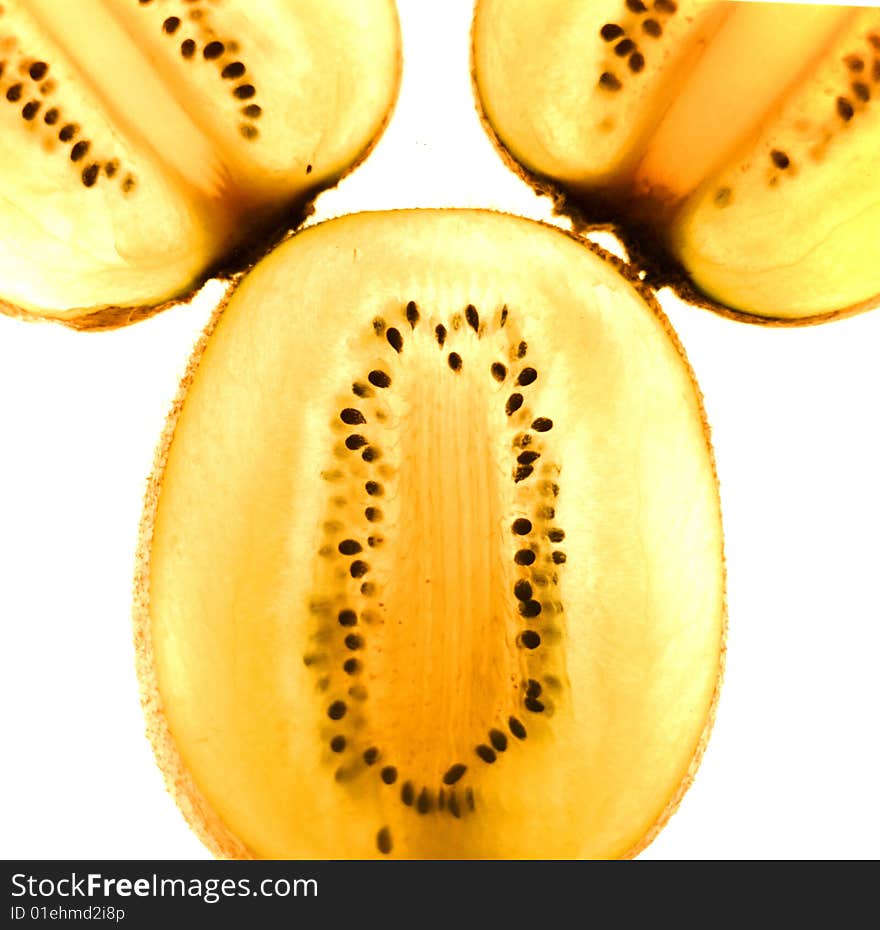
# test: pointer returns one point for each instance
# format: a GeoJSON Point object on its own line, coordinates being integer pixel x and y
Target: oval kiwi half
{"type": "Point", "coordinates": [145, 145]}
{"type": "Point", "coordinates": [734, 146]}
{"type": "Point", "coordinates": [431, 562]}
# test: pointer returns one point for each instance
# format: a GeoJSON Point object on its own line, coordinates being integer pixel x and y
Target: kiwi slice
{"type": "Point", "coordinates": [431, 561]}
{"type": "Point", "coordinates": [734, 146]}
{"type": "Point", "coordinates": [145, 145]}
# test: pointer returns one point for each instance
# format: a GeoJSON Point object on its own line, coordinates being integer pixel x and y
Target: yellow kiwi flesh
{"type": "Point", "coordinates": [431, 562]}
{"type": "Point", "coordinates": [739, 142]}
{"type": "Point", "coordinates": [145, 144]}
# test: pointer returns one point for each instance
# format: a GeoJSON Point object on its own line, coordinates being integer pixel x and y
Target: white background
{"type": "Point", "coordinates": [792, 769]}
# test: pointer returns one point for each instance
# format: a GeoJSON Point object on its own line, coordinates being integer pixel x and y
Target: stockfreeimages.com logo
{"type": "Point", "coordinates": [209, 890]}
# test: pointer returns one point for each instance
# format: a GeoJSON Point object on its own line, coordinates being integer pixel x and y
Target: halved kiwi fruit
{"type": "Point", "coordinates": [145, 145]}
{"type": "Point", "coordinates": [431, 561]}
{"type": "Point", "coordinates": [734, 146]}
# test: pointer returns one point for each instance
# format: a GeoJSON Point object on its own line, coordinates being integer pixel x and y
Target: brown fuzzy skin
{"type": "Point", "coordinates": [204, 821]}
{"type": "Point", "coordinates": [228, 270]}
{"type": "Point", "coordinates": [661, 270]}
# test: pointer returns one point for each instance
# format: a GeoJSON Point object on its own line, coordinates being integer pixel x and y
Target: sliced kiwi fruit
{"type": "Point", "coordinates": [145, 144]}
{"type": "Point", "coordinates": [431, 560]}
{"type": "Point", "coordinates": [735, 147]}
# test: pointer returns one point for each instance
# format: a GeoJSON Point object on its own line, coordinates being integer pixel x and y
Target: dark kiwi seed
{"type": "Point", "coordinates": [636, 6]}
{"type": "Point", "coordinates": [347, 618]}
{"type": "Point", "coordinates": [361, 390]}
{"type": "Point", "coordinates": [245, 91]}
{"type": "Point", "coordinates": [556, 535]}
{"type": "Point", "coordinates": [533, 688]}
{"type": "Point", "coordinates": [383, 841]}
{"type": "Point", "coordinates": [454, 361]}
{"type": "Point", "coordinates": [79, 150]}
{"type": "Point", "coordinates": [527, 376]}
{"type": "Point", "coordinates": [522, 472]}
{"type": "Point", "coordinates": [504, 313]}
{"type": "Point", "coordinates": [187, 48]}
{"type": "Point", "coordinates": [352, 417]}
{"type": "Point", "coordinates": [780, 159]}
{"type": "Point", "coordinates": [371, 755]}
{"type": "Point", "coordinates": [67, 132]}
{"type": "Point", "coordinates": [253, 110]}
{"type": "Point", "coordinates": [90, 175]}
{"type": "Point", "coordinates": [38, 70]}
{"type": "Point", "coordinates": [527, 458]}
{"type": "Point", "coordinates": [652, 28]}
{"type": "Point", "coordinates": [524, 557]}
{"type": "Point", "coordinates": [395, 340]}
{"type": "Point", "coordinates": [664, 6]}
{"type": "Point", "coordinates": [423, 804]}
{"type": "Point", "coordinates": [559, 557]}
{"type": "Point", "coordinates": [440, 333]}
{"type": "Point", "coordinates": [610, 32]}
{"type": "Point", "coordinates": [30, 109]}
{"type": "Point", "coordinates": [498, 740]}
{"type": "Point", "coordinates": [337, 744]}
{"type": "Point", "coordinates": [234, 69]}
{"type": "Point", "coordinates": [350, 547]}
{"type": "Point", "coordinates": [373, 488]}
{"type": "Point", "coordinates": [530, 639]}
{"type": "Point", "coordinates": [336, 711]}
{"type": "Point", "coordinates": [845, 109]}
{"type": "Point", "coordinates": [454, 773]}
{"type": "Point", "coordinates": [530, 609]}
{"type": "Point", "coordinates": [407, 793]}
{"type": "Point", "coordinates": [373, 514]}
{"type": "Point", "coordinates": [636, 62]}
{"type": "Point", "coordinates": [355, 441]}
{"type": "Point", "coordinates": [389, 774]}
{"type": "Point", "coordinates": [534, 705]}
{"type": "Point", "coordinates": [521, 526]}
{"type": "Point", "coordinates": [514, 402]}
{"type": "Point", "coordinates": [351, 666]}
{"type": "Point", "coordinates": [469, 797]}
{"type": "Point", "coordinates": [454, 808]}
{"type": "Point", "coordinates": [861, 91]}
{"type": "Point", "coordinates": [370, 454]}
{"type": "Point", "coordinates": [472, 317]}
{"type": "Point", "coordinates": [542, 425]}
{"type": "Point", "coordinates": [522, 590]}
{"type": "Point", "coordinates": [486, 753]}
{"type": "Point", "coordinates": [14, 93]}
{"type": "Point", "coordinates": [379, 379]}
{"type": "Point", "coordinates": [171, 25]}
{"type": "Point", "coordinates": [624, 47]}
{"type": "Point", "coordinates": [353, 641]}
{"type": "Point", "coordinates": [213, 50]}
{"type": "Point", "coordinates": [609, 81]}
{"type": "Point", "coordinates": [521, 350]}
{"type": "Point", "coordinates": [412, 314]}
{"type": "Point", "coordinates": [499, 372]}
{"type": "Point", "coordinates": [368, 589]}
{"type": "Point", "coordinates": [516, 728]}
{"type": "Point", "coordinates": [50, 117]}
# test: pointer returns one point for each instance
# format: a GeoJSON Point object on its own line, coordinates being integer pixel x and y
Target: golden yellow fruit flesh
{"type": "Point", "coordinates": [736, 145]}
{"type": "Point", "coordinates": [144, 145]}
{"type": "Point", "coordinates": [431, 563]}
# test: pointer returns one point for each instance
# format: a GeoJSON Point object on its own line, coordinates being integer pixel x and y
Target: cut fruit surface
{"type": "Point", "coordinates": [145, 144]}
{"type": "Point", "coordinates": [431, 563]}
{"type": "Point", "coordinates": [737, 144]}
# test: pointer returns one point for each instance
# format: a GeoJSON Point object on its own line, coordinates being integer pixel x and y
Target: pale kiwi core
{"type": "Point", "coordinates": [432, 563]}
